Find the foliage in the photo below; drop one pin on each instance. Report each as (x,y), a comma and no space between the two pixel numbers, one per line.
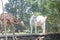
(24,8)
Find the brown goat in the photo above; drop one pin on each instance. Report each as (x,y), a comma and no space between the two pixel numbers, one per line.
(6,18)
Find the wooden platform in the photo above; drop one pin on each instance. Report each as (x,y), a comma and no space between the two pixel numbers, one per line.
(25,34)
(33,36)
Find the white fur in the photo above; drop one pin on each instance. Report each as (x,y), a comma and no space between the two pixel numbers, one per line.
(37,21)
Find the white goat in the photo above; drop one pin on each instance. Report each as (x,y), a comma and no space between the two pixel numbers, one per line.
(37,21)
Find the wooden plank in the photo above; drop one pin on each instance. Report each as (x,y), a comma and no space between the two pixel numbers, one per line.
(32,36)
(28,34)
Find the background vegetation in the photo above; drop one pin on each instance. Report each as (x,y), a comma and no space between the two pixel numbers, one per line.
(23,9)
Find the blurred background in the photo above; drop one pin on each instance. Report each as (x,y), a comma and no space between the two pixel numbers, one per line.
(24,9)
